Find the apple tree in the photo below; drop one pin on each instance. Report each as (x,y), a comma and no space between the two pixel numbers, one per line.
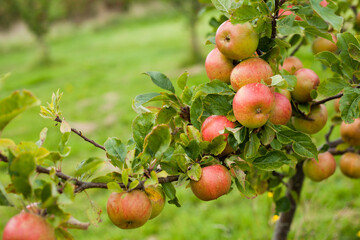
(249,127)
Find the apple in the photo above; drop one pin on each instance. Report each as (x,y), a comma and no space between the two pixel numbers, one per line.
(321,44)
(324,3)
(28,226)
(237,41)
(337,105)
(214,182)
(253,104)
(157,199)
(318,115)
(350,165)
(218,66)
(283,12)
(350,132)
(281,112)
(211,128)
(322,169)
(251,70)
(129,209)
(307,80)
(291,65)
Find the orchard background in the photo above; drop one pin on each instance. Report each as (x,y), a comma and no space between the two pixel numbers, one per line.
(97,63)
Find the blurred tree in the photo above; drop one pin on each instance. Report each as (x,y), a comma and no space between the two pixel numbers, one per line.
(8,14)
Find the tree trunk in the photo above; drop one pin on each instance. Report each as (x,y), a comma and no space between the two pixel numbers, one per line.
(294,185)
(44,50)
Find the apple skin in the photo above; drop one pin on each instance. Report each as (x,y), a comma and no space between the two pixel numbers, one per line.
(284,92)
(129,210)
(322,169)
(282,111)
(324,3)
(321,44)
(237,41)
(319,115)
(218,66)
(212,126)
(291,65)
(337,105)
(28,226)
(215,181)
(350,165)
(252,105)
(307,80)
(157,198)
(251,70)
(350,133)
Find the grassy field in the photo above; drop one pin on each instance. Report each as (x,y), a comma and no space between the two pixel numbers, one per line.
(99,71)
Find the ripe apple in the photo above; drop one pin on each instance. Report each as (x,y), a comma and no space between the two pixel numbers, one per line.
(350,132)
(237,41)
(218,66)
(319,116)
(211,128)
(291,65)
(307,80)
(281,112)
(28,226)
(322,169)
(251,70)
(252,105)
(157,198)
(350,165)
(321,44)
(215,181)
(129,209)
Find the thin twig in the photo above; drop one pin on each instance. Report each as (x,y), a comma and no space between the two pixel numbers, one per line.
(79,133)
(328,99)
(297,48)
(327,136)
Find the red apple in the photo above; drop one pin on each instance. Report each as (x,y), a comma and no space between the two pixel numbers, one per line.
(251,70)
(218,66)
(321,44)
(350,132)
(291,65)
(281,113)
(215,181)
(350,165)
(212,126)
(28,226)
(307,80)
(157,198)
(322,169)
(318,116)
(237,41)
(129,209)
(252,105)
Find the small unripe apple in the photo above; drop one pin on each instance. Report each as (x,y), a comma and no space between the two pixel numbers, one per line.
(350,165)
(218,66)
(291,65)
(282,111)
(157,198)
(321,44)
(236,41)
(28,226)
(318,115)
(322,169)
(350,132)
(211,128)
(129,209)
(215,181)
(307,80)
(251,70)
(252,105)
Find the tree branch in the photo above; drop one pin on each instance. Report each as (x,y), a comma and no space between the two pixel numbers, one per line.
(328,99)
(327,136)
(297,48)
(79,133)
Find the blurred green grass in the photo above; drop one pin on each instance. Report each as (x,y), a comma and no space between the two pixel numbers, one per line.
(99,71)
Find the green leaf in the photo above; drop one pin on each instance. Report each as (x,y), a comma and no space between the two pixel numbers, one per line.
(248,191)
(142,99)
(67,196)
(328,14)
(116,151)
(244,13)
(267,135)
(213,87)
(330,60)
(114,187)
(195,172)
(344,40)
(271,161)
(251,147)
(125,177)
(282,205)
(349,104)
(354,52)
(182,80)
(15,104)
(161,80)
(287,27)
(291,80)
(169,190)
(331,86)
(142,126)
(217,145)
(193,149)
(157,142)
(4,201)
(223,6)
(43,135)
(134,184)
(89,166)
(165,115)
